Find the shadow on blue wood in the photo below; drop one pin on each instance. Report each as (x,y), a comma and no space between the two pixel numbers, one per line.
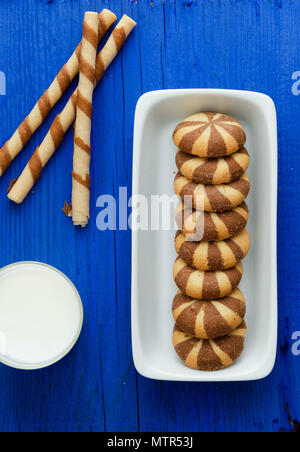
(237,44)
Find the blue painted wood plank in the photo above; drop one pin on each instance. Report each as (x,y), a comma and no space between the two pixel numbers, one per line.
(242,44)
(228,44)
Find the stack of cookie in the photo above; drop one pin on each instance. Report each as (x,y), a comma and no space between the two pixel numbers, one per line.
(209,309)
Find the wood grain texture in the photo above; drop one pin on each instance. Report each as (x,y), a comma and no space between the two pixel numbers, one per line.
(238,44)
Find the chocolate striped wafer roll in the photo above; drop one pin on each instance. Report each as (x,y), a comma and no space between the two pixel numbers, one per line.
(83,123)
(209,134)
(44,105)
(209,319)
(213,256)
(206,285)
(20,187)
(207,354)
(211,171)
(211,226)
(213,198)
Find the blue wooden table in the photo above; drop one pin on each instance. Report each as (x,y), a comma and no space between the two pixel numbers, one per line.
(239,44)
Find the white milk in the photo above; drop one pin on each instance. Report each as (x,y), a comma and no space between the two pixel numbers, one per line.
(40,315)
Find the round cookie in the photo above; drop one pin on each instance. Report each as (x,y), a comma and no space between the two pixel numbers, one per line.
(209,134)
(213,256)
(209,319)
(211,226)
(206,285)
(213,171)
(207,354)
(212,198)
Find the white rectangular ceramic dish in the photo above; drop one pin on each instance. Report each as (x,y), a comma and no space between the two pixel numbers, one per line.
(153,254)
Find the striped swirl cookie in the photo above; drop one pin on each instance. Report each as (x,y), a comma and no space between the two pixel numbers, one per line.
(206,285)
(213,256)
(209,135)
(207,354)
(214,170)
(209,319)
(211,226)
(212,198)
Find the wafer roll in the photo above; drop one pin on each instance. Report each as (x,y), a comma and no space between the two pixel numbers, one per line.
(83,123)
(44,105)
(20,188)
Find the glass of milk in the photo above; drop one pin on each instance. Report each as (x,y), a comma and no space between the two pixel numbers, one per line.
(41,315)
